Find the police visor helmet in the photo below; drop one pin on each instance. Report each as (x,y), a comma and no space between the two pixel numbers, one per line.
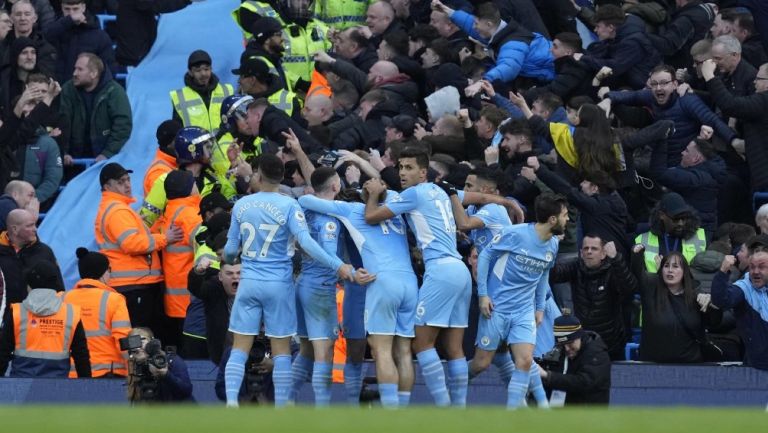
(193,144)
(298,9)
(232,108)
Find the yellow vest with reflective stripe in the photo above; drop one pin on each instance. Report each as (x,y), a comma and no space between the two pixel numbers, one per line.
(691,246)
(263,9)
(341,14)
(192,110)
(298,62)
(283,100)
(203,250)
(155,201)
(219,159)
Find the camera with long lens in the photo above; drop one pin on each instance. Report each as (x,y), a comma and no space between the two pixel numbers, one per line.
(145,382)
(256,382)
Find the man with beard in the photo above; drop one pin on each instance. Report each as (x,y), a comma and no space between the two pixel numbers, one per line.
(97,111)
(198,103)
(13,76)
(525,253)
(748,299)
(688,112)
(257,80)
(674,222)
(24,19)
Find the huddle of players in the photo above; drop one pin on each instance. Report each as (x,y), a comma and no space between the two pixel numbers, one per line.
(398,317)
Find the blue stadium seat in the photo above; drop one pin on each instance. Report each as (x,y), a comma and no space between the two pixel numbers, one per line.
(759,199)
(630,351)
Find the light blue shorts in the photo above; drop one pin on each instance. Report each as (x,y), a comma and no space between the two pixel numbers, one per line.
(273,302)
(514,328)
(445,294)
(353,311)
(390,304)
(316,314)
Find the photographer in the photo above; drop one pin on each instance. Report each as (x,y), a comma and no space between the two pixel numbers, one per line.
(257,384)
(587,377)
(154,375)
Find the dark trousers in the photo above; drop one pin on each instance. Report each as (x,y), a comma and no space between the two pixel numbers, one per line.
(145,303)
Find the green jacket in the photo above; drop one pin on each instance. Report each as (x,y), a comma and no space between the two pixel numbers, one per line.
(109,125)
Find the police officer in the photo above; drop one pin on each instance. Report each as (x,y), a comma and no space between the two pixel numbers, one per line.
(341,14)
(258,81)
(198,103)
(303,35)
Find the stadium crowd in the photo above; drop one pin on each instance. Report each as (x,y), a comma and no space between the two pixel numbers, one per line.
(620,179)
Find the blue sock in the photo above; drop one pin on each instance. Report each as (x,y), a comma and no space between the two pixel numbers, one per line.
(505,366)
(458,381)
(517,389)
(233,375)
(388,395)
(282,378)
(321,383)
(353,381)
(434,376)
(536,387)
(301,370)
(403,398)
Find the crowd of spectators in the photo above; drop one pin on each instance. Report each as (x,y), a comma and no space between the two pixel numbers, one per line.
(653,124)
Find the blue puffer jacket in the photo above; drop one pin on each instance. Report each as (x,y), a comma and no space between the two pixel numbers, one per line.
(688,113)
(517,51)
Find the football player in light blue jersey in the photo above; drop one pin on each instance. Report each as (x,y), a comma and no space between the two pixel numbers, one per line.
(447,288)
(317,319)
(265,226)
(524,254)
(390,301)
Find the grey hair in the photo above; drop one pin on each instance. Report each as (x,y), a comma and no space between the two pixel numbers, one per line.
(762,212)
(729,42)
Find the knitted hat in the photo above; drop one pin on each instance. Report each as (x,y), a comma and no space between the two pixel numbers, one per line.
(44,275)
(567,328)
(166,132)
(91,264)
(178,184)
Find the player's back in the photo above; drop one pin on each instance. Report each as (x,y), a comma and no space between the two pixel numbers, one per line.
(263,224)
(325,231)
(430,216)
(525,260)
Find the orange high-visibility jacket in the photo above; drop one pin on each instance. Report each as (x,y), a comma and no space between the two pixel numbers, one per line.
(43,342)
(318,86)
(340,346)
(179,257)
(163,163)
(127,242)
(105,321)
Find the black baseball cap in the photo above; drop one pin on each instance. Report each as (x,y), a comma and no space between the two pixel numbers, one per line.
(251,66)
(402,122)
(197,57)
(264,28)
(112,171)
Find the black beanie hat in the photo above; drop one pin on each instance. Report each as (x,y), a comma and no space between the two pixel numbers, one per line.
(91,264)
(166,132)
(44,275)
(178,184)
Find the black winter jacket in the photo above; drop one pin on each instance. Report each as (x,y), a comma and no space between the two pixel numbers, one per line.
(210,290)
(588,378)
(15,264)
(631,55)
(70,40)
(752,110)
(687,25)
(137,27)
(572,78)
(598,295)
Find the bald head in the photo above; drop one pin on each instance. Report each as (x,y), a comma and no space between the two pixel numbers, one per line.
(384,69)
(317,109)
(379,16)
(21,227)
(21,191)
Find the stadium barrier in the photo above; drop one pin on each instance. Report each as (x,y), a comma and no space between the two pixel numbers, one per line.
(633,384)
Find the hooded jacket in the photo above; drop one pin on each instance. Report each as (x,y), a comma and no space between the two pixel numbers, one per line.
(104,127)
(10,85)
(517,50)
(71,39)
(630,54)
(43,303)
